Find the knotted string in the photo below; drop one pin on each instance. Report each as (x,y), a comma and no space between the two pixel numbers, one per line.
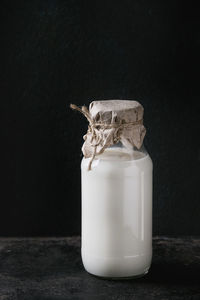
(96,125)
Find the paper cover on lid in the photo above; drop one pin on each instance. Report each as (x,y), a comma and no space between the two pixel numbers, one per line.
(110,122)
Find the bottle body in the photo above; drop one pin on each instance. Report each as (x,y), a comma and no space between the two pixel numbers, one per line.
(117,213)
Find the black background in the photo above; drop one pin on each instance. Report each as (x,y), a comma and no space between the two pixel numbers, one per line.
(58,52)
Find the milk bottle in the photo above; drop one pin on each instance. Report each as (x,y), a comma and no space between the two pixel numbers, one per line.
(116,180)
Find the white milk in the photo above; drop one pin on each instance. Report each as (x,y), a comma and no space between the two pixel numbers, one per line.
(117,213)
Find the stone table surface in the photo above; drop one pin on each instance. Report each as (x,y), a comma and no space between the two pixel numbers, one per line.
(51,269)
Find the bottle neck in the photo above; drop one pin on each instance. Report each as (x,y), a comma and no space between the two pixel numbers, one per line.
(122,152)
(121,146)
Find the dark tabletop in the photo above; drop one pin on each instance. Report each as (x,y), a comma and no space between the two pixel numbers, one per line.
(51,269)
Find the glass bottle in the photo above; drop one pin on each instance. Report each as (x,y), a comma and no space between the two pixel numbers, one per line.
(117,213)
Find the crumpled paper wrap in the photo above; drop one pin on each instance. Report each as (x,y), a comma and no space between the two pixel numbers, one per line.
(110,122)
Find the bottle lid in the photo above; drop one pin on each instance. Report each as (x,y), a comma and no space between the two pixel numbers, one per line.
(110,122)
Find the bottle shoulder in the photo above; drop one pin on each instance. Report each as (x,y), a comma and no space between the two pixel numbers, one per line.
(120,157)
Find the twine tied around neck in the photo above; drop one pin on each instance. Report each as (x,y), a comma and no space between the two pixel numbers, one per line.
(102,135)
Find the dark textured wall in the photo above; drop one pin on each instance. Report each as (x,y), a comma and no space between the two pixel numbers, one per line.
(56,52)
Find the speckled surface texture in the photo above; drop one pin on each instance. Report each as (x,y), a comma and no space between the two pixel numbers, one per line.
(51,268)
